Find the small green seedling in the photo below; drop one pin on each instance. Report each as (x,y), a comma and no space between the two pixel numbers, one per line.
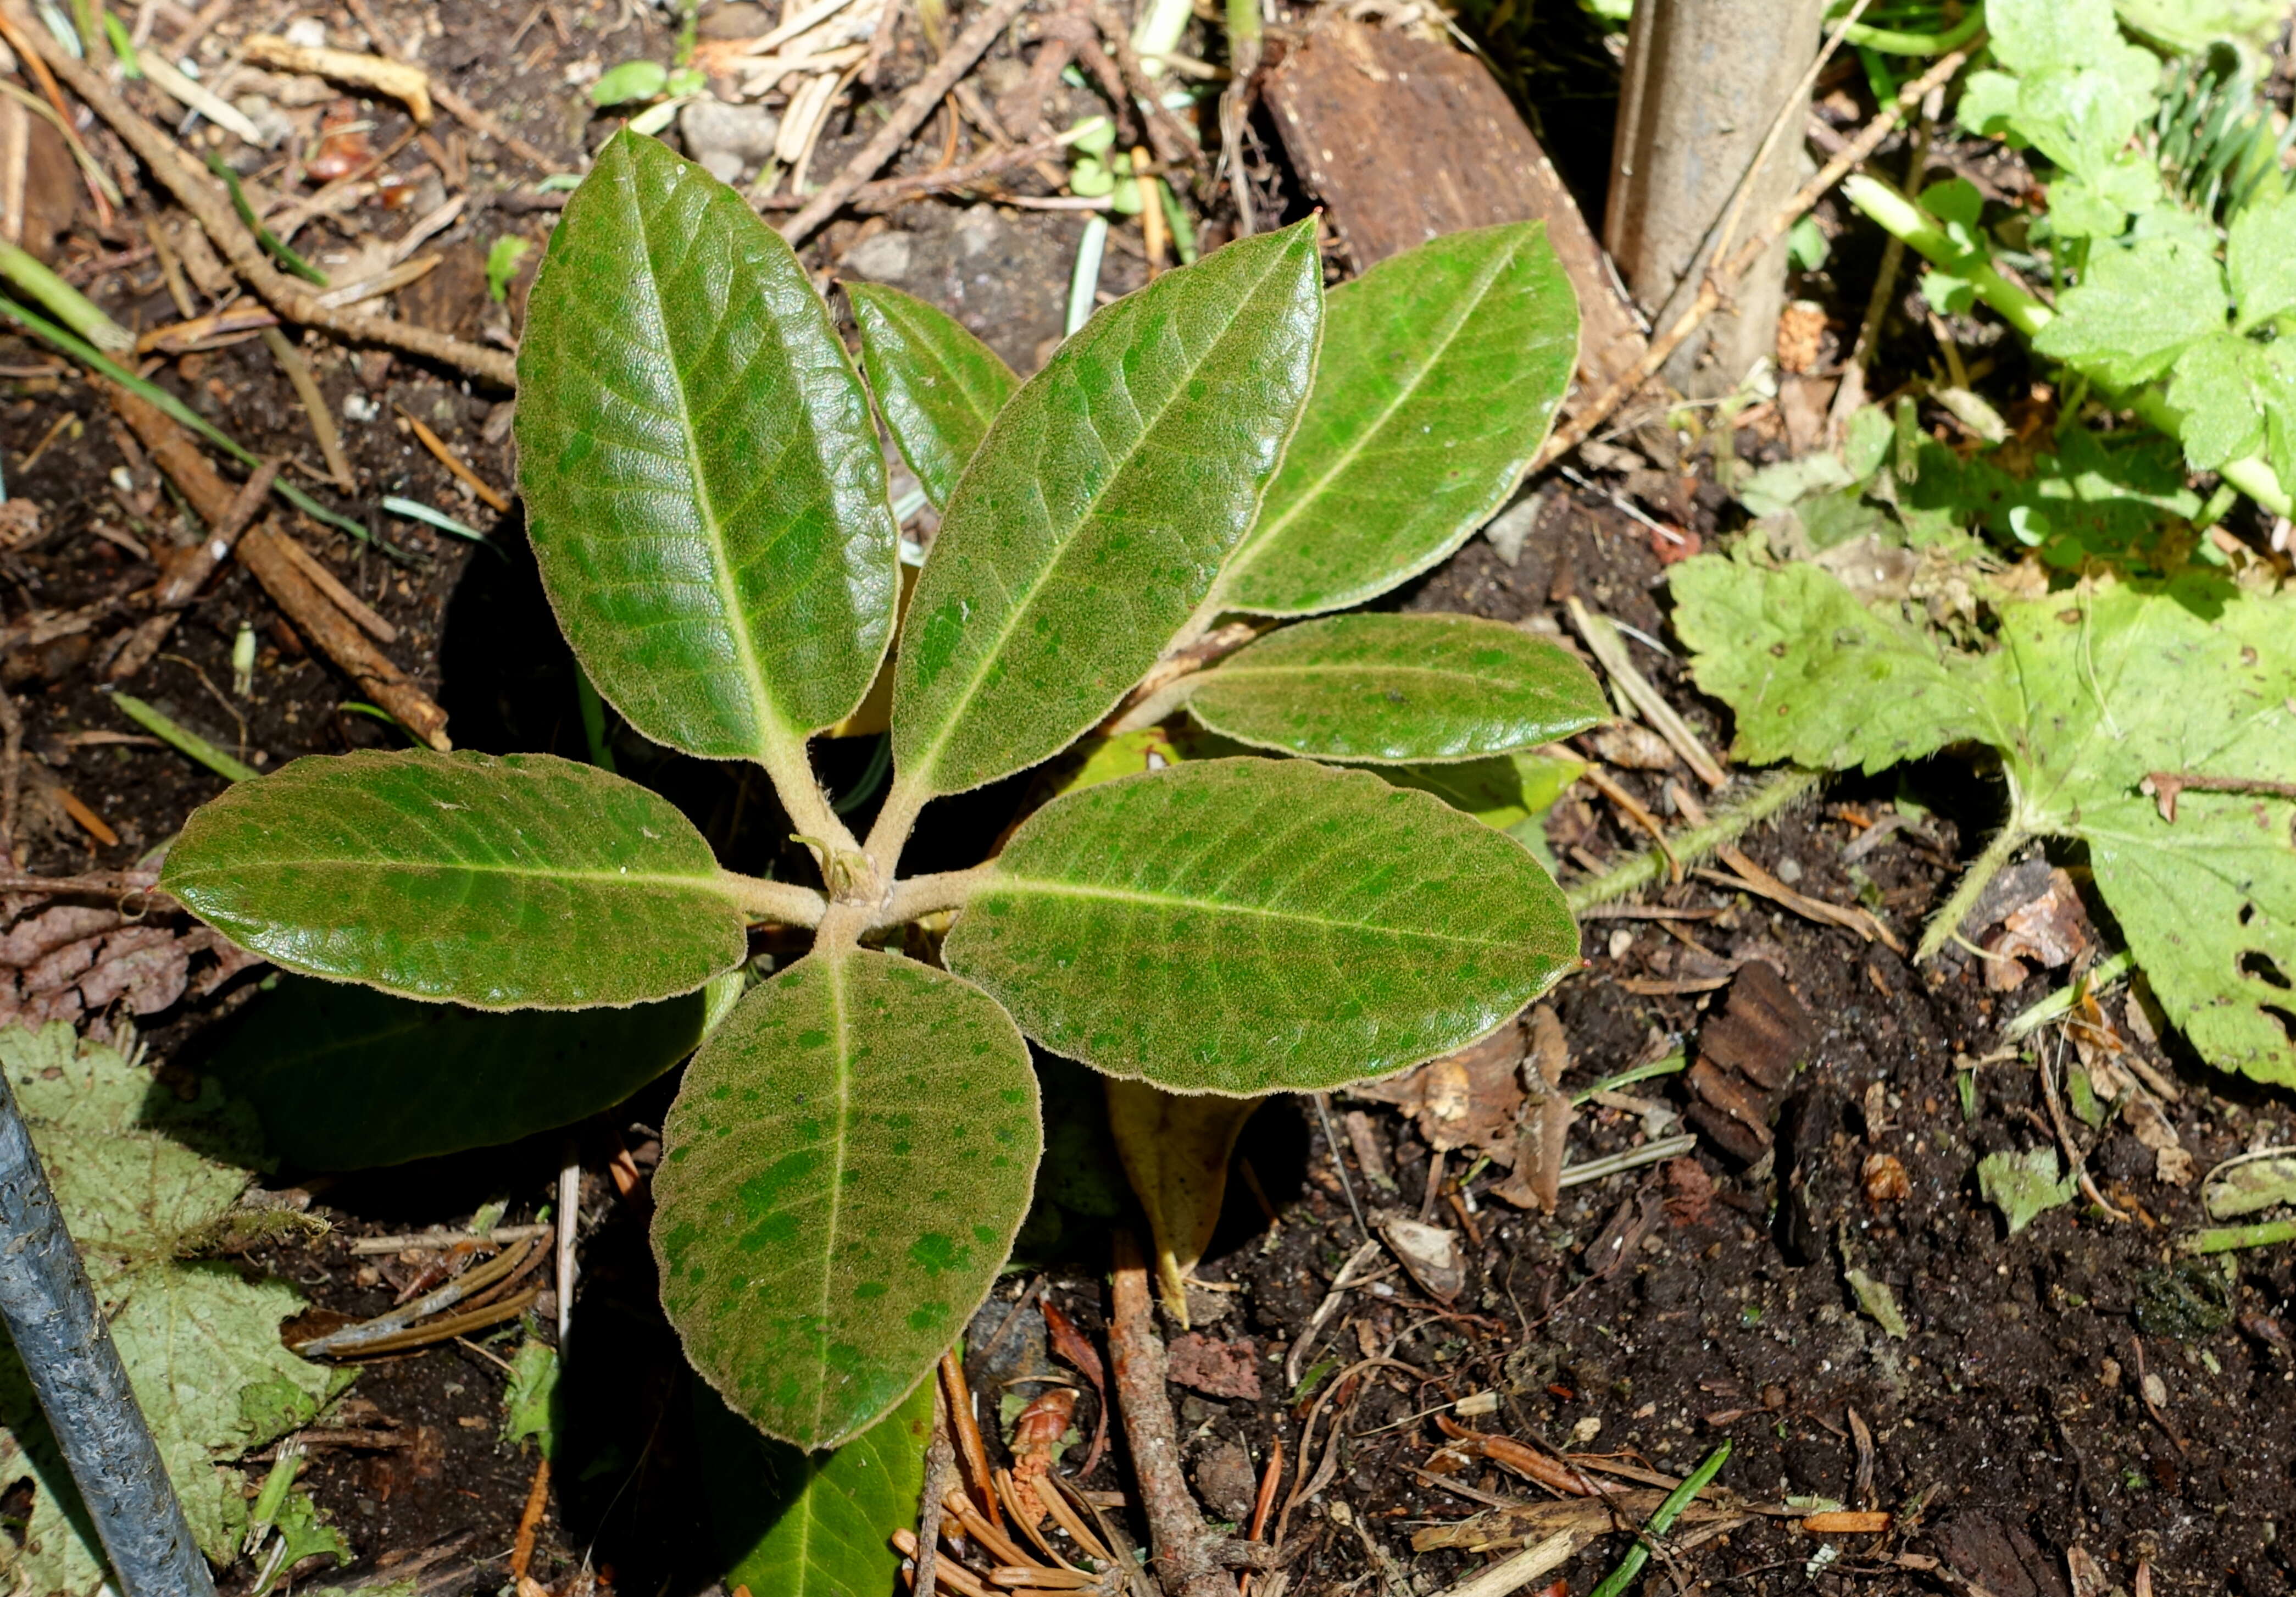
(853,1148)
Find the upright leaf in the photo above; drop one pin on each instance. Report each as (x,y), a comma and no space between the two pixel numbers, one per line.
(346,1077)
(704,485)
(1441,372)
(937,387)
(1251,926)
(1398,690)
(846,1163)
(801,1524)
(523,882)
(1099,509)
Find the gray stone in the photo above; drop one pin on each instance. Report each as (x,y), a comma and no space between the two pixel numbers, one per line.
(723,140)
(885,259)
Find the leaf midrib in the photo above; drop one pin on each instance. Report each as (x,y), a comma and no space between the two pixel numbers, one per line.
(1007,882)
(840,1045)
(1445,674)
(768,710)
(648,878)
(1262,537)
(1017,606)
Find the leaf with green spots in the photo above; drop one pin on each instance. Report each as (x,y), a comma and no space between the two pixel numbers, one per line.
(524,880)
(1398,690)
(844,1169)
(2153,722)
(937,387)
(1441,372)
(704,483)
(1098,510)
(1250,926)
(801,1524)
(2023,1186)
(346,1077)
(143,1178)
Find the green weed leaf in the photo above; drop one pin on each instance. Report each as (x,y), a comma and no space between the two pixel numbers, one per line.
(1398,690)
(143,1179)
(1441,372)
(2023,1186)
(703,479)
(2260,258)
(1092,522)
(846,1163)
(2137,309)
(1248,926)
(2088,699)
(526,881)
(937,387)
(815,1524)
(346,1077)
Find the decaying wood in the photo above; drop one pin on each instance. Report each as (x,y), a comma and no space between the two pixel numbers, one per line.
(1404,140)
(1182,1544)
(262,550)
(204,198)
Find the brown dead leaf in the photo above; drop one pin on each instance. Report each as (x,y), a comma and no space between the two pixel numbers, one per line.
(1429,1251)
(1465,1100)
(1215,1368)
(1689,1191)
(1036,1433)
(2050,931)
(1541,1144)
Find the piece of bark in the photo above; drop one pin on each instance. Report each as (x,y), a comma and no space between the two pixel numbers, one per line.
(1405,140)
(1764,1033)
(261,551)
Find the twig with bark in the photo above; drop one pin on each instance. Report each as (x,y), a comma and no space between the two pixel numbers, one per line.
(1184,1546)
(909,113)
(200,194)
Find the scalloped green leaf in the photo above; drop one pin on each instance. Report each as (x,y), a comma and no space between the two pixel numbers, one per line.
(519,882)
(1398,691)
(1440,373)
(846,1166)
(801,1524)
(703,483)
(1097,512)
(937,387)
(346,1078)
(1251,926)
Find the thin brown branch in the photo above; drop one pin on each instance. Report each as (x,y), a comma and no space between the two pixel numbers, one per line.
(886,192)
(1172,144)
(1177,1531)
(909,113)
(211,208)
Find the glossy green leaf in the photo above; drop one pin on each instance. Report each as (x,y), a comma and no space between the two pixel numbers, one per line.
(1398,691)
(519,882)
(346,1077)
(1098,510)
(1247,926)
(801,1524)
(937,387)
(846,1163)
(1441,372)
(703,483)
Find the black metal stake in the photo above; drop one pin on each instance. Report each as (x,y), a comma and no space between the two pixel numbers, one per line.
(66,1346)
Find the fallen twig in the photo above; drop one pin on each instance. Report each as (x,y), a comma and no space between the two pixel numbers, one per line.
(198,193)
(529,1521)
(259,550)
(188,572)
(1597,409)
(314,406)
(1602,636)
(908,115)
(1172,144)
(1176,1526)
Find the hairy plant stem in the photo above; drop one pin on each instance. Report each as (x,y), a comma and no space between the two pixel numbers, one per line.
(1982,869)
(786,902)
(920,896)
(894,824)
(1904,219)
(1727,825)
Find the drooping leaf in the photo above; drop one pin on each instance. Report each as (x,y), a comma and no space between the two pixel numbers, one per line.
(937,387)
(814,1524)
(1175,1146)
(1092,520)
(846,1163)
(1441,372)
(524,880)
(142,1178)
(1248,926)
(2182,687)
(702,479)
(1398,690)
(346,1077)
(2137,309)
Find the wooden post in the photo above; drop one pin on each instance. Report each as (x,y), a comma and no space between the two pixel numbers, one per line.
(1703,81)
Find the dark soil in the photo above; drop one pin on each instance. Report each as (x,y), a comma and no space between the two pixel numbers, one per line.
(2009,1424)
